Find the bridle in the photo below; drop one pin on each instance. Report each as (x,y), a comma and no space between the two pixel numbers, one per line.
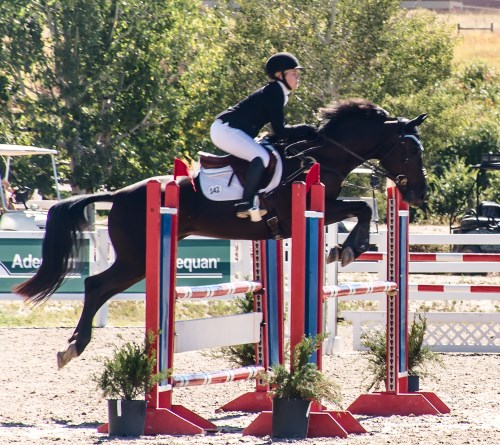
(307,160)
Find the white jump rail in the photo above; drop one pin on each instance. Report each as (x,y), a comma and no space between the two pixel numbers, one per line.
(426,262)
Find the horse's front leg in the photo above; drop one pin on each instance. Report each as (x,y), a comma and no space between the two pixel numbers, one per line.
(358,240)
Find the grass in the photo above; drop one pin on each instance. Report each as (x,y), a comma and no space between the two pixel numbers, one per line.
(477,45)
(120,313)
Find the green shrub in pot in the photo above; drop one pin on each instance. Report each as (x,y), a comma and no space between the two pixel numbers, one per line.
(295,388)
(419,355)
(128,376)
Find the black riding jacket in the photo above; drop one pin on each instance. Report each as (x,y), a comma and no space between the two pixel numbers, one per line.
(266,105)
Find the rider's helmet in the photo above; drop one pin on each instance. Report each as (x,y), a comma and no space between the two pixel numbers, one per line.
(281,62)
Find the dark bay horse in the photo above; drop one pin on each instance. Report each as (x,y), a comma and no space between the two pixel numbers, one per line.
(350,133)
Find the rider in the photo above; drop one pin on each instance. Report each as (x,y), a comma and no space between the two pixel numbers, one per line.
(234,129)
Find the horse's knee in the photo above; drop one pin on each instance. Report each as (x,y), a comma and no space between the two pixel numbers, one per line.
(364,212)
(356,243)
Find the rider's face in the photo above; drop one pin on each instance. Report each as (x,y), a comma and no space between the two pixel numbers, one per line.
(292,78)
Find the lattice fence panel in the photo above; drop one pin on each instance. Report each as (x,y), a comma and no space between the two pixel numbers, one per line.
(446,332)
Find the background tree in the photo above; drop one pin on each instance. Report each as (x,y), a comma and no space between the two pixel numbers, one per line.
(464,112)
(452,191)
(106,83)
(121,88)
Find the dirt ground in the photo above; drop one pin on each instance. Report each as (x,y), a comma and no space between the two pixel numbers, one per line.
(41,405)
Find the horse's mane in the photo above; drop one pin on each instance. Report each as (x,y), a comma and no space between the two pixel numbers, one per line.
(349,110)
(335,114)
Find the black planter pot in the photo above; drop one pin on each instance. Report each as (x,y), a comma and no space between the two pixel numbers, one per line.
(290,418)
(413,383)
(126,417)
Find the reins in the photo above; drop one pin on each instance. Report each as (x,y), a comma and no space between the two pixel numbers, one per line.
(400,179)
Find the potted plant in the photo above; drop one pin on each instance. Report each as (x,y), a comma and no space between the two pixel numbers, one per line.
(294,389)
(419,356)
(126,379)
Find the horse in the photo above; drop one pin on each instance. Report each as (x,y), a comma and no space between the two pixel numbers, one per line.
(351,133)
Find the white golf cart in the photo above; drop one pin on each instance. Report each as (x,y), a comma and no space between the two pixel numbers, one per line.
(17,211)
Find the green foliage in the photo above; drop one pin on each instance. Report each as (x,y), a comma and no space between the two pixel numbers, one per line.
(419,356)
(375,341)
(368,48)
(417,52)
(304,380)
(104,84)
(129,373)
(452,190)
(463,124)
(120,95)
(464,111)
(491,189)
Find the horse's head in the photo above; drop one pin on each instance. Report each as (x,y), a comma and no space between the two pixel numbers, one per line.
(401,157)
(359,131)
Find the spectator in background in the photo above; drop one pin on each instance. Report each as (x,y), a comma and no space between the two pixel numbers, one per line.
(9,194)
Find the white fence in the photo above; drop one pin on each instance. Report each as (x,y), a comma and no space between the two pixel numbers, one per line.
(447,331)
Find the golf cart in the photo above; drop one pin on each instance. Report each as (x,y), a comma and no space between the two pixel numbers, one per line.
(485,218)
(17,210)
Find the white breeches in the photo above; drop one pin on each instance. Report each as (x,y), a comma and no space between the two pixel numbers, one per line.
(237,142)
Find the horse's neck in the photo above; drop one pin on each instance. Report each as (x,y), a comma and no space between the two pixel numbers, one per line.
(337,160)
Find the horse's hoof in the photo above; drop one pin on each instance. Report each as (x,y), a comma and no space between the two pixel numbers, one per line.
(333,255)
(347,256)
(64,357)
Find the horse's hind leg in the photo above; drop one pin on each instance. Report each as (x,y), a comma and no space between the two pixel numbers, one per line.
(98,289)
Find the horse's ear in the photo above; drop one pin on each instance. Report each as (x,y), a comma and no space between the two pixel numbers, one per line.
(417,121)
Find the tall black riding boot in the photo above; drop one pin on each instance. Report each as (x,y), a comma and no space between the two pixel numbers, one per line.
(253,179)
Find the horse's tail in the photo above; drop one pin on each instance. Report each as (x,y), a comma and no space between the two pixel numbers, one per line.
(63,238)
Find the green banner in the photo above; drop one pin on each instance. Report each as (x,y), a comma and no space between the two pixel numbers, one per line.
(199,262)
(21,257)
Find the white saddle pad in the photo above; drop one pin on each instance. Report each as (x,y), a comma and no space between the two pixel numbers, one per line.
(221,184)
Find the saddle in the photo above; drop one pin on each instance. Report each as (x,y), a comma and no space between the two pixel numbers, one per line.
(209,161)
(218,173)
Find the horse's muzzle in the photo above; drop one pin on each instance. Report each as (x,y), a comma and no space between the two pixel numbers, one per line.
(415,196)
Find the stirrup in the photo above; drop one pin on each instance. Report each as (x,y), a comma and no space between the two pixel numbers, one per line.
(245,209)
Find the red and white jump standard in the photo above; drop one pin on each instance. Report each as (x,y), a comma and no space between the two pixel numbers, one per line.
(306,311)
(396,400)
(162,416)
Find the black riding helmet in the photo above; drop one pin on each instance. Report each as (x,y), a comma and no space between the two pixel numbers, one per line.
(280,62)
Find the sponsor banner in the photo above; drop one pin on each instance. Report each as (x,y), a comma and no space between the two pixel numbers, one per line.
(199,262)
(21,257)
